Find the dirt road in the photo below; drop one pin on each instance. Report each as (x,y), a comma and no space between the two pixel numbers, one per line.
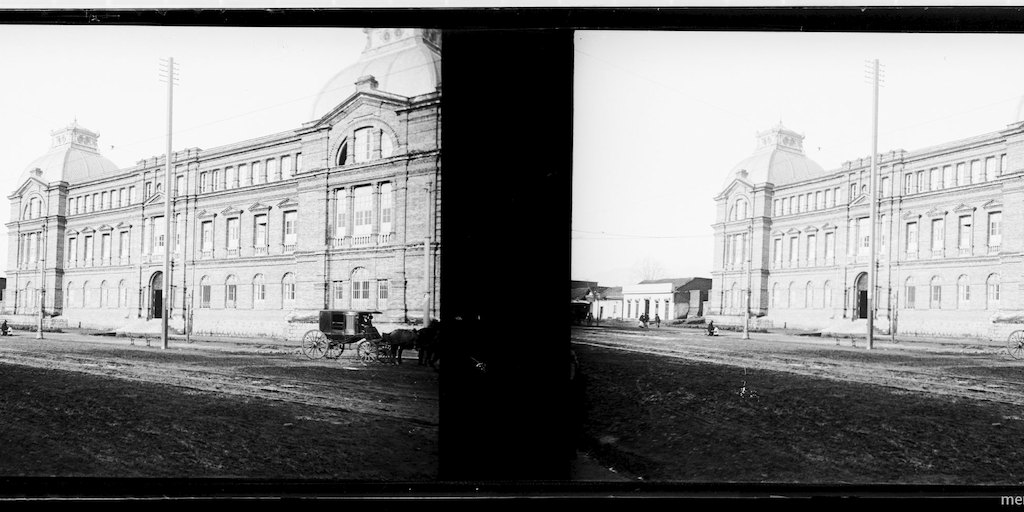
(978,371)
(270,371)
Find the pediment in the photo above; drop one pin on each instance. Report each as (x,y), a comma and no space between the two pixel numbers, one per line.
(287,203)
(810,229)
(829,227)
(30,182)
(123,225)
(793,231)
(258,207)
(963,208)
(87,231)
(371,97)
(105,227)
(71,232)
(736,183)
(911,216)
(155,198)
(936,212)
(861,199)
(995,203)
(205,214)
(778,233)
(231,210)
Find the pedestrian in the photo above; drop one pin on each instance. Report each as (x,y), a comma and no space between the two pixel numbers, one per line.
(4,329)
(590,318)
(657,320)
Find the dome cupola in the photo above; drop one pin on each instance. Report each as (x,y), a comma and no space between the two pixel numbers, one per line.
(73,156)
(779,159)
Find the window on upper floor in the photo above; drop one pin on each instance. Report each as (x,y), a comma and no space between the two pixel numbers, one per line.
(290,235)
(995,229)
(363,149)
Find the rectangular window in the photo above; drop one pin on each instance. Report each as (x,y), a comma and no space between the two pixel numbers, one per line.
(864,235)
(206,236)
(289,228)
(260,292)
(948,178)
(159,235)
(341,212)
(179,185)
(233,233)
(105,247)
(830,248)
(260,236)
(339,291)
(363,211)
(88,249)
(911,295)
(204,291)
(298,162)
(362,145)
(271,169)
(72,250)
(123,253)
(812,250)
(794,251)
(244,177)
(995,229)
(286,166)
(232,176)
(257,174)
(231,294)
(886,187)
(964,241)
(382,292)
(882,238)
(935,179)
(908,184)
(819,200)
(289,291)
(990,168)
(215,177)
(936,296)
(976,175)
(148,188)
(1002,164)
(911,238)
(962,178)
(131,194)
(922,181)
(777,245)
(204,182)
(938,235)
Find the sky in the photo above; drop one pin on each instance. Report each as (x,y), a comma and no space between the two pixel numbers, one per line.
(661,118)
(235,83)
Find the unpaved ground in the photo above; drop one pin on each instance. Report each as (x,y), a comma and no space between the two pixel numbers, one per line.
(975,371)
(274,372)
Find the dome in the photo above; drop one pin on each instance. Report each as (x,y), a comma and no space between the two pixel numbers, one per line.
(403,61)
(73,157)
(779,160)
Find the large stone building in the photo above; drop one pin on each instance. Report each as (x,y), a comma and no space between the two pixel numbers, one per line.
(341,212)
(950,236)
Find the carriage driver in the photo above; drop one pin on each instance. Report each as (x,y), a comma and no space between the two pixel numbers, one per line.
(368,329)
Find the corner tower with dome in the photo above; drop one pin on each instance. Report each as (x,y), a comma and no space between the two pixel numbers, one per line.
(339,213)
(950,247)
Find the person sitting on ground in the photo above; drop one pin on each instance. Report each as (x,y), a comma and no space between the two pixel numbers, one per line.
(5,329)
(712,330)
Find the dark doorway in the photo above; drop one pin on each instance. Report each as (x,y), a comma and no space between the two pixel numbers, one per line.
(647,306)
(862,296)
(156,299)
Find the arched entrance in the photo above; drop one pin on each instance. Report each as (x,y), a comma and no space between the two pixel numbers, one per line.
(156,295)
(862,295)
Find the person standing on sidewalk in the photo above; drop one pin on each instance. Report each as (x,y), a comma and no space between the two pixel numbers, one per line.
(657,320)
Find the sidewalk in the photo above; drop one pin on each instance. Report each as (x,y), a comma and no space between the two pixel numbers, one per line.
(175,341)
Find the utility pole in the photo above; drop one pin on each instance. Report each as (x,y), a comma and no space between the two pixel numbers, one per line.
(750,264)
(167,69)
(41,247)
(426,256)
(873,197)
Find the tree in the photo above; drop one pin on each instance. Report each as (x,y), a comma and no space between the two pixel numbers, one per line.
(648,269)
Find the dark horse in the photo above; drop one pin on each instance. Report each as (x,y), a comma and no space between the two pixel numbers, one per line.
(428,343)
(398,340)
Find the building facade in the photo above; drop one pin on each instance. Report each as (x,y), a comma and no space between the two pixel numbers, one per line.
(341,212)
(669,298)
(949,229)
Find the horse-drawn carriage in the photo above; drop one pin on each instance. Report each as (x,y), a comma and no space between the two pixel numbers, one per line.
(339,328)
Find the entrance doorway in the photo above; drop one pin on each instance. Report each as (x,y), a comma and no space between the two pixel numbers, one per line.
(156,295)
(647,306)
(862,295)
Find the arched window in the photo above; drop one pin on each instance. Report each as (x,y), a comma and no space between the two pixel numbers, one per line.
(775,296)
(808,296)
(68,293)
(791,295)
(103,295)
(729,297)
(387,146)
(230,292)
(826,294)
(963,292)
(28,295)
(343,153)
(910,292)
(992,292)
(288,289)
(935,293)
(122,294)
(739,209)
(259,290)
(85,294)
(363,147)
(205,293)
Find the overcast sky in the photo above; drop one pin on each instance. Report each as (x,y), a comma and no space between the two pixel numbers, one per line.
(662,117)
(235,84)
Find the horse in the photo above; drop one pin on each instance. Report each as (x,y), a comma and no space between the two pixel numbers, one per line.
(428,343)
(398,340)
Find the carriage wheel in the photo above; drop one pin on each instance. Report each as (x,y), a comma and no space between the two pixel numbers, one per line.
(335,349)
(366,352)
(314,344)
(1015,344)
